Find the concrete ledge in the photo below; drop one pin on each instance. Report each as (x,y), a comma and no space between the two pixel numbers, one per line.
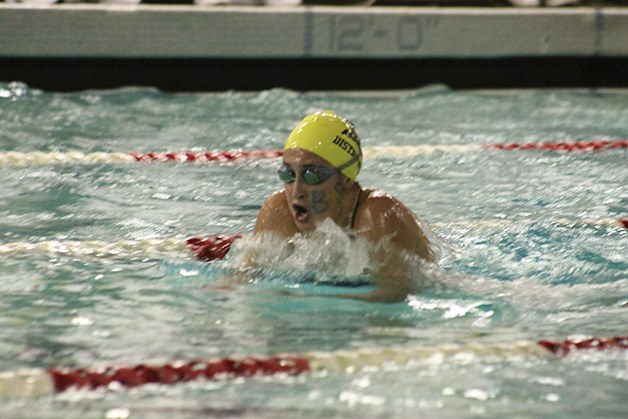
(150,31)
(196,48)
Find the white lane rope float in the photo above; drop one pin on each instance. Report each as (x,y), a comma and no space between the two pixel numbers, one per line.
(216,247)
(37,158)
(127,248)
(41,382)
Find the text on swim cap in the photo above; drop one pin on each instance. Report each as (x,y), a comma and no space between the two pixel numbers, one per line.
(343,144)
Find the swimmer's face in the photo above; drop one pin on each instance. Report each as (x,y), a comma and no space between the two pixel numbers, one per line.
(311,204)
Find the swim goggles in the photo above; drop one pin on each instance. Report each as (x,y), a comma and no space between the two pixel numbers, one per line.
(312,175)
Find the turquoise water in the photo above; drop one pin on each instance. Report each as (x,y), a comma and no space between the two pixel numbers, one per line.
(526,278)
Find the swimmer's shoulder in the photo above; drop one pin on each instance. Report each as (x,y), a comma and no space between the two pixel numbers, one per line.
(375,201)
(382,215)
(372,204)
(275,217)
(275,200)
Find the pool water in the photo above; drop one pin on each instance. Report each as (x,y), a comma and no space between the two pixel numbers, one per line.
(508,269)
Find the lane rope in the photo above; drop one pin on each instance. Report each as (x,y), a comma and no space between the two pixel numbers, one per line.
(206,249)
(35,158)
(216,247)
(40,382)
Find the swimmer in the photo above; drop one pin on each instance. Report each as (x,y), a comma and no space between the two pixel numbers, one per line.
(321,161)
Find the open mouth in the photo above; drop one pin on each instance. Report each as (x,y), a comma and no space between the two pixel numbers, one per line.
(300,213)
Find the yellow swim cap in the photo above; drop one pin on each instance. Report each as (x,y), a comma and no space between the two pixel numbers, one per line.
(330,137)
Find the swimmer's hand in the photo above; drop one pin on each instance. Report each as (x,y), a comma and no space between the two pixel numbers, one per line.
(380,295)
(231,281)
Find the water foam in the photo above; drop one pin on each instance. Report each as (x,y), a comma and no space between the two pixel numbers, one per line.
(327,255)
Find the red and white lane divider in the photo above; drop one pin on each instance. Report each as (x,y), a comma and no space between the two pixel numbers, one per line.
(406,151)
(217,247)
(206,249)
(38,158)
(39,382)
(14,158)
(564,222)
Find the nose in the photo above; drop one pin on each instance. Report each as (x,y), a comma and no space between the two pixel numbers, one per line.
(298,187)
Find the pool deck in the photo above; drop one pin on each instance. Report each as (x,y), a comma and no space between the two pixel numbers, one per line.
(196,47)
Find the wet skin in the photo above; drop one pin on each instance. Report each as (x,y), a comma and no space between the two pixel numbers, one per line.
(380,218)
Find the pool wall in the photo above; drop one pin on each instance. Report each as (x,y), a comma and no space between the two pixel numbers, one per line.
(193,47)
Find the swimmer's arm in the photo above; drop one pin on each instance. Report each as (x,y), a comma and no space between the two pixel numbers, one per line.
(389,288)
(388,294)
(271,219)
(397,234)
(393,281)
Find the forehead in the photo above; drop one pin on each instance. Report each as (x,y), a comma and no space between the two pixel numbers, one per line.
(300,157)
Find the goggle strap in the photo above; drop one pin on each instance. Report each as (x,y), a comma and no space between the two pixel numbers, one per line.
(349,163)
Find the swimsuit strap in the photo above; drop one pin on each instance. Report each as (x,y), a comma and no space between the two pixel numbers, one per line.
(355,208)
